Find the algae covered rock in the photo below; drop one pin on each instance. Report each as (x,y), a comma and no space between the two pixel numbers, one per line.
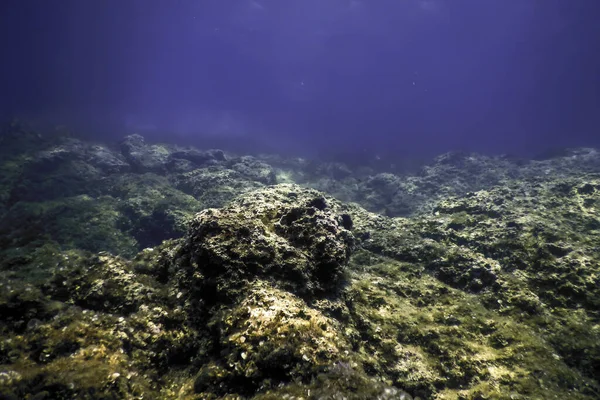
(214,186)
(164,158)
(256,329)
(82,195)
(200,158)
(78,222)
(102,283)
(96,329)
(268,338)
(254,169)
(58,170)
(285,234)
(106,160)
(143,157)
(489,290)
(151,209)
(537,246)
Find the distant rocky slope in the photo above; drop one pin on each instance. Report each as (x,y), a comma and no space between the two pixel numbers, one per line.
(155,271)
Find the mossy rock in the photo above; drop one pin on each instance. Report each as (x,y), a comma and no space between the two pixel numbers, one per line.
(285,234)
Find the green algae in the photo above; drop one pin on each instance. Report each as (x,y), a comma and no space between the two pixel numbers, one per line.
(453,340)
(285,292)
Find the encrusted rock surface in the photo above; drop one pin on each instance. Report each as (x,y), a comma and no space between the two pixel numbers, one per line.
(488,288)
(284,233)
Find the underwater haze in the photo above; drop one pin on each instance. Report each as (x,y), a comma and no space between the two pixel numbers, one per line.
(406,77)
(300,199)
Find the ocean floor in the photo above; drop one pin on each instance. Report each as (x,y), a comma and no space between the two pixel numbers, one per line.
(137,270)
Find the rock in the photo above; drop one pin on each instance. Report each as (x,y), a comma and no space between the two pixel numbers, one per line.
(486,288)
(285,234)
(200,158)
(214,186)
(269,337)
(151,209)
(103,283)
(254,170)
(106,160)
(143,157)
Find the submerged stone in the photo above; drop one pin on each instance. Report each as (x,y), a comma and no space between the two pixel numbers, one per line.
(490,290)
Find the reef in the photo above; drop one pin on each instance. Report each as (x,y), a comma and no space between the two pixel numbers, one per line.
(141,270)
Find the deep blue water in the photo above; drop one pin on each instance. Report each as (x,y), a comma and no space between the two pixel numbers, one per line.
(405,78)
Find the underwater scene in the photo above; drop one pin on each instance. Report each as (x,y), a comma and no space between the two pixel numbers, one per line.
(140,270)
(300,200)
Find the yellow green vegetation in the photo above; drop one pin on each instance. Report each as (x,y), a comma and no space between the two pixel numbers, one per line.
(426,336)
(286,293)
